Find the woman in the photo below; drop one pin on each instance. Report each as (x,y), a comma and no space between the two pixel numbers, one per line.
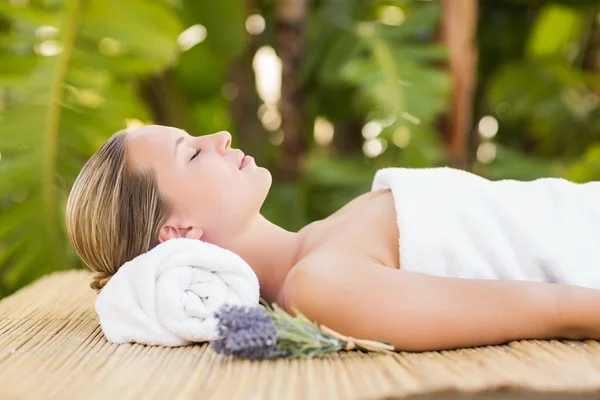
(156,183)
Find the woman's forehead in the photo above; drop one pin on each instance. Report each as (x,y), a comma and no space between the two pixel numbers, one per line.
(146,142)
(154,133)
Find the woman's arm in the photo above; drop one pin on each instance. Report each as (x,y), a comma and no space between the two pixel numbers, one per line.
(416,312)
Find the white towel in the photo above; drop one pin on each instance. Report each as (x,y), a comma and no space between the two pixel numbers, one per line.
(456,224)
(168,295)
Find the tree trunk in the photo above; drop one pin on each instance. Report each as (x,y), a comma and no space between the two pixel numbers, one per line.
(290,37)
(252,136)
(459,29)
(348,136)
(591,60)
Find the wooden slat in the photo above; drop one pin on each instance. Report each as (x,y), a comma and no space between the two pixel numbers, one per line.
(51,346)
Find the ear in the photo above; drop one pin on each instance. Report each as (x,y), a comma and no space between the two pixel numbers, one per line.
(172,232)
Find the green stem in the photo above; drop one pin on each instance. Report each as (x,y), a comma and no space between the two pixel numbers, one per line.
(53,114)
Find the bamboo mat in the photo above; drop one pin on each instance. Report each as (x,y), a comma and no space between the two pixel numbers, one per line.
(51,346)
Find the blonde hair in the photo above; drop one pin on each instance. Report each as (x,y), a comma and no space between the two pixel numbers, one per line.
(114,213)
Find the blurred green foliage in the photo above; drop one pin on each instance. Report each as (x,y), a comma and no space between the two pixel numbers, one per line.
(540,78)
(72,72)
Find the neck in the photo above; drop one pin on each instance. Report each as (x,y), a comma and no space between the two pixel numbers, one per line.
(270,250)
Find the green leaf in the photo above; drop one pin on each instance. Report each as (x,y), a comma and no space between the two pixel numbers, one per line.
(30,14)
(58,110)
(146,30)
(420,17)
(383,55)
(587,168)
(224,21)
(555,27)
(341,48)
(14,71)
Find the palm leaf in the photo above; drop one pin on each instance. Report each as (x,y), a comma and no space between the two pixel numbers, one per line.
(359,66)
(60,109)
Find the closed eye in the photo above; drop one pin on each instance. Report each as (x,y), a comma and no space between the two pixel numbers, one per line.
(196,154)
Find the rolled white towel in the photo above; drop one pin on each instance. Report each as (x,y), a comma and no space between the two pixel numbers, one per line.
(168,295)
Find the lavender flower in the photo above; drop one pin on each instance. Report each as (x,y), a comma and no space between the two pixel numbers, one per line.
(258,333)
(246,332)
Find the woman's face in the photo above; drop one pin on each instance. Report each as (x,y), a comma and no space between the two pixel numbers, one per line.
(209,185)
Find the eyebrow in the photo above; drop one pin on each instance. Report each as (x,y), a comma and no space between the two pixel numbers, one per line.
(178,142)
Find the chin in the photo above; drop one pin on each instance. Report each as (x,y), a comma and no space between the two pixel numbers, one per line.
(265,176)
(263,183)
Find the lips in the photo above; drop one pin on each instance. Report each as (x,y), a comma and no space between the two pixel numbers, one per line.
(241,158)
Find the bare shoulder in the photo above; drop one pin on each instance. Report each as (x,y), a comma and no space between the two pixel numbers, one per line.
(320,277)
(314,270)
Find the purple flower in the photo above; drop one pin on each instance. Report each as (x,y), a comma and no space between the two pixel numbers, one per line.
(246,332)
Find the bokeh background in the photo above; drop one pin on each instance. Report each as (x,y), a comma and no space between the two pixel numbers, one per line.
(321,92)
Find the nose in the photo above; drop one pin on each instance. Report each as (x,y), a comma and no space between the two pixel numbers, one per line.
(224,139)
(221,141)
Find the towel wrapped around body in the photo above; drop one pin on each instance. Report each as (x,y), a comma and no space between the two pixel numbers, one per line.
(167,296)
(456,224)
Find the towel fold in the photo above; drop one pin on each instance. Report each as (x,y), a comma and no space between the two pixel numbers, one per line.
(456,224)
(168,295)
